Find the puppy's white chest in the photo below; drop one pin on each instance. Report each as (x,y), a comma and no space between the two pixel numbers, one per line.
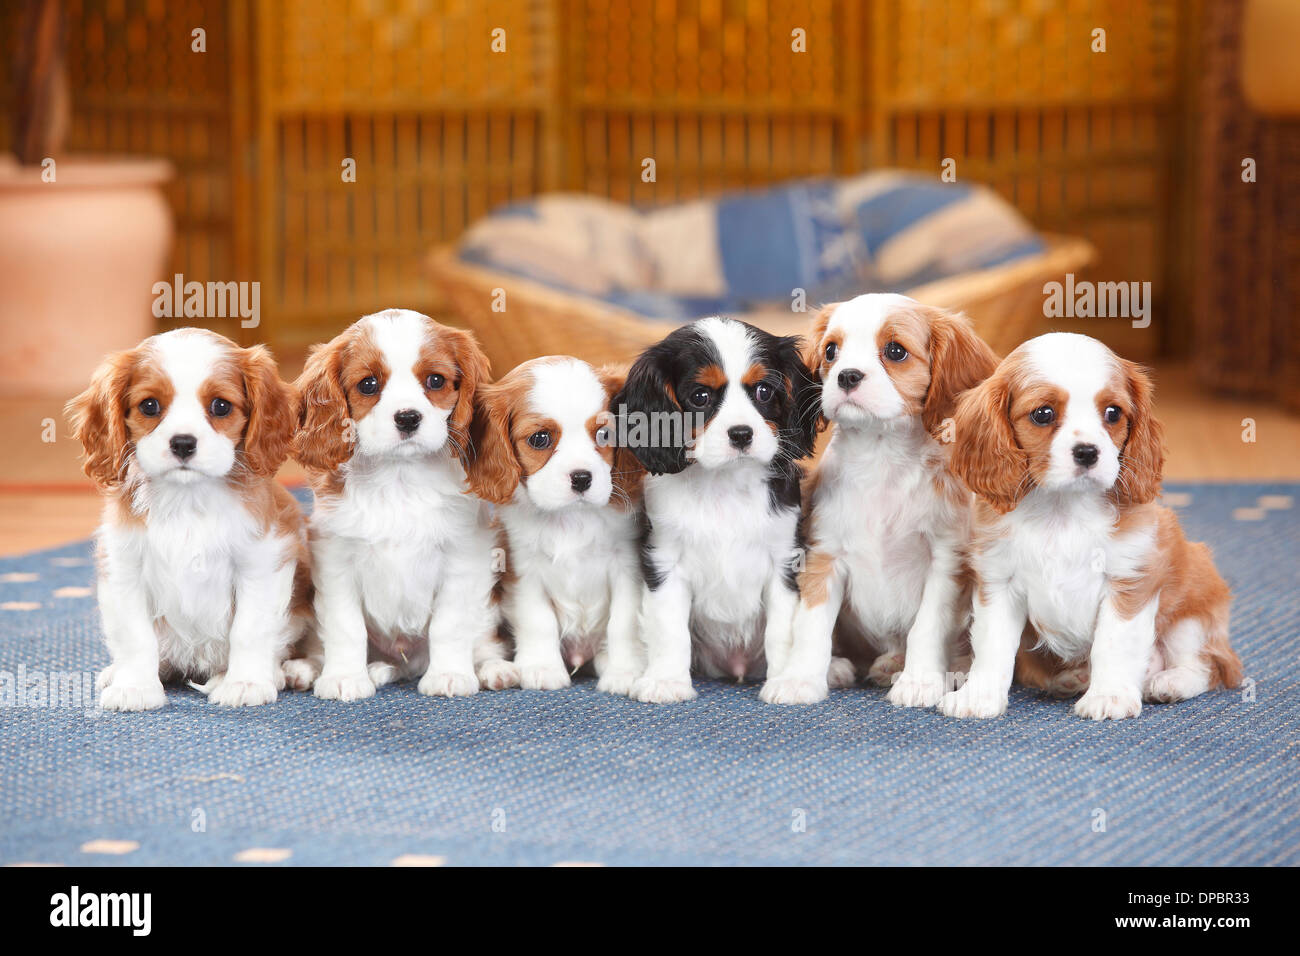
(396,531)
(1062,560)
(574,555)
(874,515)
(726,539)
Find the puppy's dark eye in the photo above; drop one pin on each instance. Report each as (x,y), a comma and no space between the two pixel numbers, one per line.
(1042,416)
(150,407)
(603,436)
(540,440)
(701,397)
(219,408)
(368,385)
(894,352)
(832,350)
(435,382)
(763,393)
(1112,414)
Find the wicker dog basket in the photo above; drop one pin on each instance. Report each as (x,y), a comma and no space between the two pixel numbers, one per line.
(1005,303)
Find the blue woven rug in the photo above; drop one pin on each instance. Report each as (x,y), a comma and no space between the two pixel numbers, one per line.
(524,777)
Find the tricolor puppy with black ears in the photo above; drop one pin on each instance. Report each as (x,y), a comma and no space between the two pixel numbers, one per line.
(887,523)
(569,505)
(718,413)
(203,562)
(405,559)
(1072,554)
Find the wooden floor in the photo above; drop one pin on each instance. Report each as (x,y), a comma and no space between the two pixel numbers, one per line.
(46,501)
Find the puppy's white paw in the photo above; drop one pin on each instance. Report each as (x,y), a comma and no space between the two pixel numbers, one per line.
(497,675)
(970,700)
(241,693)
(1174,684)
(344,687)
(884,667)
(105,677)
(792,690)
(916,690)
(121,694)
(617,682)
(298,674)
(542,677)
(655,690)
(1095,705)
(381,673)
(841,673)
(448,684)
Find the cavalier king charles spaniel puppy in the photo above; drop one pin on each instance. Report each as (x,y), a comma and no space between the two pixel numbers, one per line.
(718,414)
(203,564)
(405,561)
(568,501)
(887,523)
(1072,554)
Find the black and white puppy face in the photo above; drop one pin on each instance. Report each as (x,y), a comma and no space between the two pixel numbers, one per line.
(715,392)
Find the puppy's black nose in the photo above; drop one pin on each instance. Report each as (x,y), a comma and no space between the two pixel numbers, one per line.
(407,420)
(849,379)
(183,446)
(741,436)
(580,480)
(1085,455)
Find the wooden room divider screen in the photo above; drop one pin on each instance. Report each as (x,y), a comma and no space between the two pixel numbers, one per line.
(448,108)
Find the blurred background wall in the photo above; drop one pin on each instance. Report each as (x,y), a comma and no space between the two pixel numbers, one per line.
(443,128)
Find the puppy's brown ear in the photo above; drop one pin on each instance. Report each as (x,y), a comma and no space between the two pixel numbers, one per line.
(474,372)
(324,437)
(985,454)
(959,360)
(98,419)
(626,471)
(1142,459)
(493,469)
(272,413)
(808,394)
(813,352)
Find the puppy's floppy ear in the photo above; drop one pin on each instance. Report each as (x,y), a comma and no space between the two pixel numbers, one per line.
(324,439)
(493,469)
(272,413)
(648,414)
(985,454)
(1142,458)
(959,359)
(812,346)
(803,418)
(98,419)
(627,472)
(814,360)
(474,371)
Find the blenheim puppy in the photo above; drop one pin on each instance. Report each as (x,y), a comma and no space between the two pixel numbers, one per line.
(718,413)
(203,564)
(887,524)
(1071,551)
(569,501)
(405,560)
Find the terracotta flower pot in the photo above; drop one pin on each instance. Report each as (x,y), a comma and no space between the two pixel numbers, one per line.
(78,259)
